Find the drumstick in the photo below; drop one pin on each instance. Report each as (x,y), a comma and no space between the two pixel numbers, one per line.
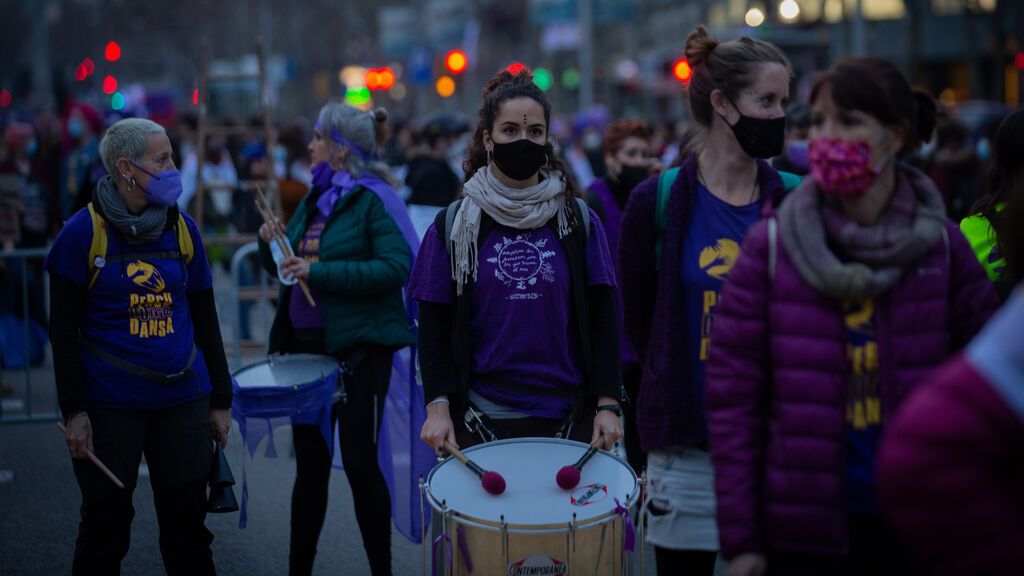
(282,243)
(492,482)
(96,461)
(568,477)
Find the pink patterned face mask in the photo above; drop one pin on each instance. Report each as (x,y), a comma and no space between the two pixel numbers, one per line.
(842,168)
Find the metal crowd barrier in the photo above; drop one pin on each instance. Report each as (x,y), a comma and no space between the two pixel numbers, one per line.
(15,409)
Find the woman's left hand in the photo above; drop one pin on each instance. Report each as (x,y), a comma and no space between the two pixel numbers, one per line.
(295,267)
(607,424)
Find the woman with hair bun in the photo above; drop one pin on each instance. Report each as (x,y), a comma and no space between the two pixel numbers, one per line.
(841,302)
(351,239)
(680,236)
(517,333)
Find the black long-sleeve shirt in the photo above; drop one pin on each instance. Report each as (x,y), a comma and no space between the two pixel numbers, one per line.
(67,309)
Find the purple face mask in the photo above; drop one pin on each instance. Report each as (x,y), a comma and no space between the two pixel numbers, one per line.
(164,187)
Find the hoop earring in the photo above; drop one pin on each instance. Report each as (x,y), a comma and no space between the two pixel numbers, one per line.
(547,161)
(489,157)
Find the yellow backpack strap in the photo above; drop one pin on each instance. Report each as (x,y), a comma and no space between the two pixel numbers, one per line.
(98,247)
(185,240)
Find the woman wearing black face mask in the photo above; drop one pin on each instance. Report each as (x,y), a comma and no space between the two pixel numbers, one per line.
(680,236)
(629,161)
(517,325)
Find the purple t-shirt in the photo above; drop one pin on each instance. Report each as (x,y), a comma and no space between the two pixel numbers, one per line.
(521,326)
(304,316)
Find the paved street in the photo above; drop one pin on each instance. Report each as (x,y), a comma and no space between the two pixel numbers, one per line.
(39,510)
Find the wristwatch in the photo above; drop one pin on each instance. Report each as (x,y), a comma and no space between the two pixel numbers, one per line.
(613,408)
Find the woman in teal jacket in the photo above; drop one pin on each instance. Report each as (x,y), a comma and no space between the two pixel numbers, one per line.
(352,255)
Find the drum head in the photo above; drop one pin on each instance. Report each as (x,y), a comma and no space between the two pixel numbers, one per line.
(529,466)
(284,371)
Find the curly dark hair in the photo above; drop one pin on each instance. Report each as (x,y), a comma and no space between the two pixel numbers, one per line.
(505,86)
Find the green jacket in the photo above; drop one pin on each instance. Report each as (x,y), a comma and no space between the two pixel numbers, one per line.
(364,264)
(982,238)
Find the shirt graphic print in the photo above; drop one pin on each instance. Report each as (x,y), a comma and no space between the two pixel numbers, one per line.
(520,262)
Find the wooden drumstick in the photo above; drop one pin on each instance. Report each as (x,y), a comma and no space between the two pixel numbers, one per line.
(96,461)
(282,242)
(568,477)
(492,482)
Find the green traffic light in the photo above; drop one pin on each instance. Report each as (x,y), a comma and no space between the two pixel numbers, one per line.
(542,78)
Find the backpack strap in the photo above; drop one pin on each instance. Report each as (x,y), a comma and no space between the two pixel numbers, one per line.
(585,212)
(665,182)
(449,222)
(98,246)
(185,245)
(98,257)
(790,181)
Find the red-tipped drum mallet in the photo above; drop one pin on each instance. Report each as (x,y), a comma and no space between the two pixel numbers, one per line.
(568,477)
(492,482)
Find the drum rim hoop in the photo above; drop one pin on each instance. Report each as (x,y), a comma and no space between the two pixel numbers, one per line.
(519,528)
(271,358)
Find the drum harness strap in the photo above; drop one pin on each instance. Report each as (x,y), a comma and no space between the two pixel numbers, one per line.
(137,370)
(489,429)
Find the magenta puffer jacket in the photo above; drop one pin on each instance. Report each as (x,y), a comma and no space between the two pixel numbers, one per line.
(777,382)
(951,466)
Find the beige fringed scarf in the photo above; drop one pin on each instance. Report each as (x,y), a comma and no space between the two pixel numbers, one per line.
(519,208)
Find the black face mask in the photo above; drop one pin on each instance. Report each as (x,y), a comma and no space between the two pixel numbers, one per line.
(519,159)
(630,176)
(760,137)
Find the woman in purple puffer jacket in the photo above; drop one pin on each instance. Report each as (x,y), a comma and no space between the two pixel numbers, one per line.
(839,304)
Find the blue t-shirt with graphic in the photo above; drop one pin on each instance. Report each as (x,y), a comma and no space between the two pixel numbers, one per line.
(137,310)
(710,249)
(864,409)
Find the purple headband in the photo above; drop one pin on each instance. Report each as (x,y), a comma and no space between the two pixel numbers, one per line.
(340,139)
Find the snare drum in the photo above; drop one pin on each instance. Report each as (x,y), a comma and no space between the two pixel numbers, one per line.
(534,527)
(283,390)
(286,371)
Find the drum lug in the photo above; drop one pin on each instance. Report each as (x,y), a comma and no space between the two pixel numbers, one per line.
(504,543)
(572,534)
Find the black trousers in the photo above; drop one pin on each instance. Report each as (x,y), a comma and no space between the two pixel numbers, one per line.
(874,551)
(359,421)
(178,445)
(684,562)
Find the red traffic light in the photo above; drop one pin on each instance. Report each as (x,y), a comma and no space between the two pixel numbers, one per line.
(84,70)
(455,62)
(516,67)
(1018,61)
(385,78)
(372,79)
(109,84)
(379,78)
(195,97)
(113,51)
(5,98)
(682,71)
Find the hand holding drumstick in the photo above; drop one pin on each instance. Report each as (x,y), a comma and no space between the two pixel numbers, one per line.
(92,457)
(272,231)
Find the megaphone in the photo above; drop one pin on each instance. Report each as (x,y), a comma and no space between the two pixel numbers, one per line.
(222,496)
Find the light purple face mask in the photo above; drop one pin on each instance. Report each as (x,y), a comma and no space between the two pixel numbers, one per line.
(164,187)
